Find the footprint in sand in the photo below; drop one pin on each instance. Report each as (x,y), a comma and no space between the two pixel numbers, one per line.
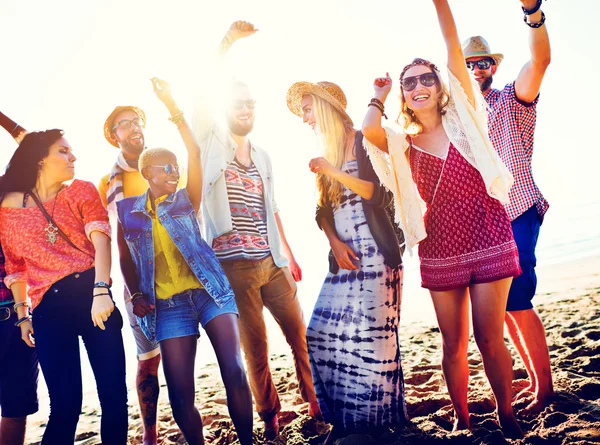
(593,335)
(418,378)
(570,333)
(589,391)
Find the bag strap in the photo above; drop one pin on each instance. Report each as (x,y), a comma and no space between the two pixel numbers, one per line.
(62,234)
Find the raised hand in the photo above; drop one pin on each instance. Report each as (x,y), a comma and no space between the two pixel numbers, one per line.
(241,29)
(382,87)
(162,89)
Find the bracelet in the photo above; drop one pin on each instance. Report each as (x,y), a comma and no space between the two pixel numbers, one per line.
(535,9)
(22,320)
(136,298)
(106,293)
(102,284)
(535,25)
(22,304)
(177,118)
(377,101)
(379,107)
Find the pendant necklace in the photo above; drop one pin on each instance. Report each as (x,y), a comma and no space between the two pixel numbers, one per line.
(51,230)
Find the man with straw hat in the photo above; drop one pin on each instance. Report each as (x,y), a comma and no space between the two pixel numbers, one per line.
(124,130)
(242,225)
(512,121)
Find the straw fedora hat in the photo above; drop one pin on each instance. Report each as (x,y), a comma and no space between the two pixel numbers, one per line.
(109,122)
(327,91)
(478,47)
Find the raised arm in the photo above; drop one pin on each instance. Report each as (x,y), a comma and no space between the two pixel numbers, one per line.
(203,119)
(14,129)
(456,58)
(527,85)
(194,179)
(371,126)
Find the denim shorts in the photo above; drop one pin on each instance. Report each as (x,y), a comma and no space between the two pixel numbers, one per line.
(526,229)
(180,315)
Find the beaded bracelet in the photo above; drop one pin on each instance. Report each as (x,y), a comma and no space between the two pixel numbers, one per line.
(22,320)
(535,25)
(177,118)
(535,9)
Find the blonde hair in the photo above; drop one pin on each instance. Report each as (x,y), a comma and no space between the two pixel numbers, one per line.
(333,132)
(406,117)
(149,156)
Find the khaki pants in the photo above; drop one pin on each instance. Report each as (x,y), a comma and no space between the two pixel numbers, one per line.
(259,284)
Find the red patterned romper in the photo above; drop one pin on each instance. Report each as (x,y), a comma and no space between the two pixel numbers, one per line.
(469,237)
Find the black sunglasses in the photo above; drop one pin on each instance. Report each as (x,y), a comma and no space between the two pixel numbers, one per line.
(426,79)
(126,123)
(482,64)
(167,168)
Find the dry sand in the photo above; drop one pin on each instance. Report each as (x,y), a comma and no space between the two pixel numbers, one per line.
(569,305)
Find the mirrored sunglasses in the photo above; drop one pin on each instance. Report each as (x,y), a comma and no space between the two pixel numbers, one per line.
(426,79)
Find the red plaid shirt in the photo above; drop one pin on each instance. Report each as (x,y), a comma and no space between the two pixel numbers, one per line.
(5,293)
(511,128)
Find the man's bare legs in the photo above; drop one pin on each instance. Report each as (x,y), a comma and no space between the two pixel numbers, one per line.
(146,383)
(529,337)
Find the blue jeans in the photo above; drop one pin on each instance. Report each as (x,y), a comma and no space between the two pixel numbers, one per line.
(58,322)
(526,229)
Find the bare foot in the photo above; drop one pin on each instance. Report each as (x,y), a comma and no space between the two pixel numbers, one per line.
(510,427)
(271,428)
(525,393)
(539,403)
(461,425)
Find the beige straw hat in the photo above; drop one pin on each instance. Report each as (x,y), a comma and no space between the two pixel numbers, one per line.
(478,47)
(327,91)
(109,122)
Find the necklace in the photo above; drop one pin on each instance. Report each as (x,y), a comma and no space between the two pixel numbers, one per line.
(51,230)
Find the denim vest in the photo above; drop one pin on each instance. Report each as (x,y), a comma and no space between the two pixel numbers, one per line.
(177,216)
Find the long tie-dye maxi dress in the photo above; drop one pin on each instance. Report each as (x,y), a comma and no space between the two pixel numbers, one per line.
(353,332)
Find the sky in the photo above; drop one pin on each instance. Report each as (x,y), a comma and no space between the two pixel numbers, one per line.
(68,63)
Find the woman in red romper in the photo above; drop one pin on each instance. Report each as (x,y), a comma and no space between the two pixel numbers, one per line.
(467,250)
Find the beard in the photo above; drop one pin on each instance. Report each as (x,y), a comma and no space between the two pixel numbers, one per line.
(486,84)
(239,129)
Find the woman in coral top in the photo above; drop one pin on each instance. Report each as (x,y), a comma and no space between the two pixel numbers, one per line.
(56,240)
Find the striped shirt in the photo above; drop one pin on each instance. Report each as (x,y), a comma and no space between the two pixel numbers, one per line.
(511,129)
(248,240)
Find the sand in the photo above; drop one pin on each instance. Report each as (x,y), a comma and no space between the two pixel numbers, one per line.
(568,302)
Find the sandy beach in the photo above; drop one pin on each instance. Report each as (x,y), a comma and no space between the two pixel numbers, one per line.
(568,302)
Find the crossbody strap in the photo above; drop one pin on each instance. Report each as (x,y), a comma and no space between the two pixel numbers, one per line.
(62,234)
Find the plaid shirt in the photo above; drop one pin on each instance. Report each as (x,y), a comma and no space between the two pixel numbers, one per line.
(5,293)
(511,128)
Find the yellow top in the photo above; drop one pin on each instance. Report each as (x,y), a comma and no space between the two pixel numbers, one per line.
(134,184)
(172,274)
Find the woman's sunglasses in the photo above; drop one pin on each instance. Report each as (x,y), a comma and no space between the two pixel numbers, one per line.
(167,168)
(427,80)
(482,64)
